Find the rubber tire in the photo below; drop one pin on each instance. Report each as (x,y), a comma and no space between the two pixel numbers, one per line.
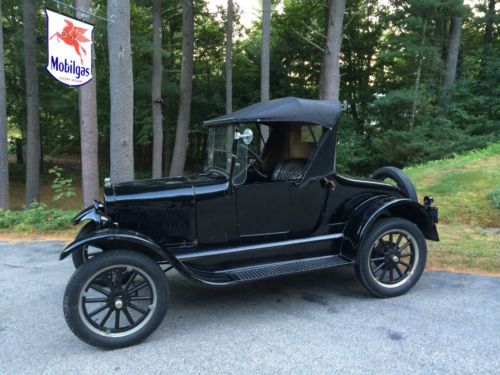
(362,266)
(77,255)
(402,180)
(80,278)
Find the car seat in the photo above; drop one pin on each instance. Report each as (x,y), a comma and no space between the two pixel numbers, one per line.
(289,169)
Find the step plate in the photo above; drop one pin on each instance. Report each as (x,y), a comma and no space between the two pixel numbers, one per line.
(290,267)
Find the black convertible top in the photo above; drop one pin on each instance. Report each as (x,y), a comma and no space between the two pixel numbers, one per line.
(285,110)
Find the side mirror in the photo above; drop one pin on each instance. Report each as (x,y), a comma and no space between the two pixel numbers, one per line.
(246,136)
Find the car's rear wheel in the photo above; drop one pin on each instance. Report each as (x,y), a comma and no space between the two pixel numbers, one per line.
(392,257)
(402,181)
(116,299)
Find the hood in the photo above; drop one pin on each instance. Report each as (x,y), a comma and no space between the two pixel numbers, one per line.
(161,188)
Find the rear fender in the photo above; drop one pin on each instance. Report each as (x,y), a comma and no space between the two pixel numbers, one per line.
(362,220)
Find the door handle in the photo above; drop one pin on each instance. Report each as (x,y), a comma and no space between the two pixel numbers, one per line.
(330,183)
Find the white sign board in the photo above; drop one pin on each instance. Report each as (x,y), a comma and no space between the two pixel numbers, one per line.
(69,49)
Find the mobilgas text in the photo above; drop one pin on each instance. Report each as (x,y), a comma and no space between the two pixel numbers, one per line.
(70,67)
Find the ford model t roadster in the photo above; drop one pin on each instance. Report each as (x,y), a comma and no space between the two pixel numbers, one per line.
(249,215)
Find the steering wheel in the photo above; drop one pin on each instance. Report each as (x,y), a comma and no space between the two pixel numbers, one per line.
(259,165)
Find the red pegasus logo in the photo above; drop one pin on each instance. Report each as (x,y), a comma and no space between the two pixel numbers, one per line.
(73,36)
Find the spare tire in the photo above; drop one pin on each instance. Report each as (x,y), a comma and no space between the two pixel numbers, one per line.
(402,181)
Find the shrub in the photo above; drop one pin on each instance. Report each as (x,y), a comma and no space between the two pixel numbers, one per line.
(39,217)
(63,187)
(494,196)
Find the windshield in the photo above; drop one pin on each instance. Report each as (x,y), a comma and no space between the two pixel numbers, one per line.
(219,158)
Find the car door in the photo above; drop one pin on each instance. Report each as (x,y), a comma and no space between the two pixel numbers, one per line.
(263,209)
(307,203)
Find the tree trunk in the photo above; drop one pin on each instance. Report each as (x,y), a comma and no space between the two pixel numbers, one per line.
(87,103)
(331,84)
(229,78)
(121,92)
(264,59)
(167,156)
(168,141)
(4,147)
(186,88)
(417,78)
(156,90)
(33,146)
(488,30)
(229,67)
(321,89)
(487,39)
(451,64)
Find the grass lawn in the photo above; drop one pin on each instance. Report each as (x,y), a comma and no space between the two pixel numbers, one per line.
(469,221)
(469,225)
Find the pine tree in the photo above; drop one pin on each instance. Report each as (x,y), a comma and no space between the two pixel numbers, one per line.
(331,74)
(451,64)
(156,90)
(121,91)
(186,89)
(4,147)
(33,145)
(87,104)
(265,59)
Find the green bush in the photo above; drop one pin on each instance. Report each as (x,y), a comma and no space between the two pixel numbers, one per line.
(39,217)
(494,196)
(63,187)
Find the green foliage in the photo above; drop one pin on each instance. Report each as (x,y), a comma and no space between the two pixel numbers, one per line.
(63,187)
(383,44)
(494,196)
(39,217)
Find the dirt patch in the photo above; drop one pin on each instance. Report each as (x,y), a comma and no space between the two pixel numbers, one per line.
(66,236)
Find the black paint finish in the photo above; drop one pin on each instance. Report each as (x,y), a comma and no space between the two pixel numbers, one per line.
(210,229)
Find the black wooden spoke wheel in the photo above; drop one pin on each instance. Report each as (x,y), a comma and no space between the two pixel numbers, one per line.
(116,299)
(391,258)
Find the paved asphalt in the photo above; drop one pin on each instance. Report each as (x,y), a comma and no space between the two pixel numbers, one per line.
(320,323)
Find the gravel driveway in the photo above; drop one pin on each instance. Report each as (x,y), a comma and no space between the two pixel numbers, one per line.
(320,323)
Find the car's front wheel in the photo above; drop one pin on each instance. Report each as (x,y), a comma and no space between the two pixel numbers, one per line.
(392,257)
(116,299)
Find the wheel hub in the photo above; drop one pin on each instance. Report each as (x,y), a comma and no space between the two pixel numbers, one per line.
(118,303)
(395,259)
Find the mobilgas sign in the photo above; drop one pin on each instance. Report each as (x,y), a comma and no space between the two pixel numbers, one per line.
(69,49)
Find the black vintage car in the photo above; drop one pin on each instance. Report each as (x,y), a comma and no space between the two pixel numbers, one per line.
(260,209)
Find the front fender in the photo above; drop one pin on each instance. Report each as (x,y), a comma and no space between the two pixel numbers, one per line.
(114,238)
(361,221)
(89,213)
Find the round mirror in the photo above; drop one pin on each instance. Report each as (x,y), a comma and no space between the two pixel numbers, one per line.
(247,136)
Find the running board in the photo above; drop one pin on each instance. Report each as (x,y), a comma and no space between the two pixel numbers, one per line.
(288,267)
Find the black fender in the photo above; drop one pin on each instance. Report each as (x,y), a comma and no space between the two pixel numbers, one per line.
(88,213)
(115,238)
(93,213)
(363,217)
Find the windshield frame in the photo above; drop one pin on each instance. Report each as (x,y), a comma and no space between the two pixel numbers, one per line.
(232,153)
